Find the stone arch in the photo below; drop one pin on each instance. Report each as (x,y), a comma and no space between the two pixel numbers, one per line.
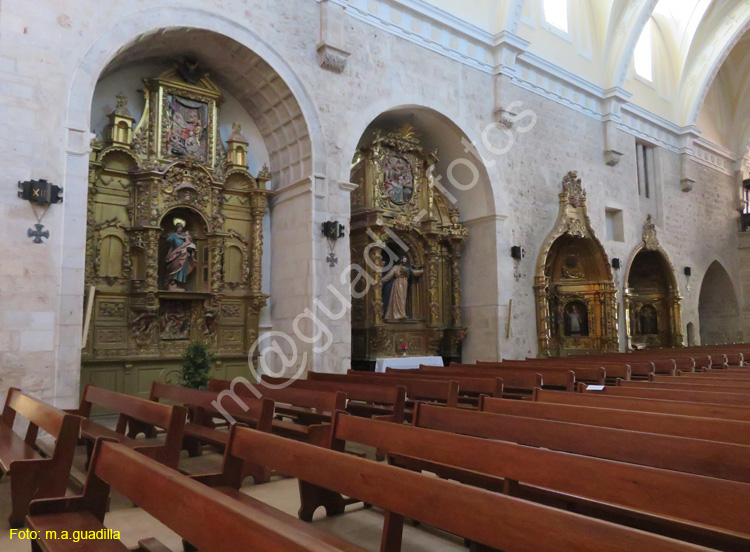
(272,92)
(481,207)
(434,114)
(718,308)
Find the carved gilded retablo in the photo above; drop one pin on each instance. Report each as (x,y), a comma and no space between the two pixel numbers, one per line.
(407,238)
(174,236)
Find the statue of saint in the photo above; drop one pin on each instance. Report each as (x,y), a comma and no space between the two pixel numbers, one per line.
(577,324)
(396,294)
(181,259)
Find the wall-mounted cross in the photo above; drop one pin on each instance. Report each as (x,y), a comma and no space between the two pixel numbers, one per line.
(38,234)
(332,259)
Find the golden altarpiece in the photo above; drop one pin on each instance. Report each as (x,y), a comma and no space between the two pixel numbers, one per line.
(576,297)
(174,238)
(652,297)
(408,238)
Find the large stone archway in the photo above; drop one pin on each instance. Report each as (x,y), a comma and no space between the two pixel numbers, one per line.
(271,92)
(466,182)
(718,308)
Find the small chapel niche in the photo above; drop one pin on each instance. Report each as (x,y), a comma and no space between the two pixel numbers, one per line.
(575,292)
(652,298)
(406,235)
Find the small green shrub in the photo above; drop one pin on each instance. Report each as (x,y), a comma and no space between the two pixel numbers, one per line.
(196,366)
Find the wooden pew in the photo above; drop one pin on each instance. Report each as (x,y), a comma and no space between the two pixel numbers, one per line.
(513,378)
(682,408)
(614,368)
(312,409)
(444,392)
(730,386)
(700,509)
(735,399)
(708,458)
(489,519)
(382,403)
(135,416)
(710,429)
(468,387)
(210,520)
(199,431)
(32,474)
(511,384)
(595,375)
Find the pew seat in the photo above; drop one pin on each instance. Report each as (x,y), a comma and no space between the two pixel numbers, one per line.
(33,475)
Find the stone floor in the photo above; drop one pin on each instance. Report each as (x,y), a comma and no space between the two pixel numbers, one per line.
(357,525)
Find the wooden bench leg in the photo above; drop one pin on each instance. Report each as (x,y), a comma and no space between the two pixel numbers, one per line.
(393,530)
(260,474)
(312,497)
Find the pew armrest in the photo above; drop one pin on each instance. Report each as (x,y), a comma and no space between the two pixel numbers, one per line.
(62,505)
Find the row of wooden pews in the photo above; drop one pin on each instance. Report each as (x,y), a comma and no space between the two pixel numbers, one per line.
(586,461)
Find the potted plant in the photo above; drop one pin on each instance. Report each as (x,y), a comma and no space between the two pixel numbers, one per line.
(196,366)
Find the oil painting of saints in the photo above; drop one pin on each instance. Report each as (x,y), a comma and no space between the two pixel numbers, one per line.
(398,180)
(187,128)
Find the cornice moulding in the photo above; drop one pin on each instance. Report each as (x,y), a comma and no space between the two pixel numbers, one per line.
(506,53)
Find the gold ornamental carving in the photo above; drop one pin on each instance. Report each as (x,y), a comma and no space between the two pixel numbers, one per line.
(168,189)
(653,304)
(650,240)
(408,238)
(576,297)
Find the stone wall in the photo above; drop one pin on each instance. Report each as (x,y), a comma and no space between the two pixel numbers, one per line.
(312,121)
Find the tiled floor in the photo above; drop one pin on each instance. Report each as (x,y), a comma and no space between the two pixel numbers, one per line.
(360,526)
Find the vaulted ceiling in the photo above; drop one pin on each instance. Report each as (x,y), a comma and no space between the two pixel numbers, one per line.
(701,61)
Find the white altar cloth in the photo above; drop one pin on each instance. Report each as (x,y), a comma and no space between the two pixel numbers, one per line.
(406,363)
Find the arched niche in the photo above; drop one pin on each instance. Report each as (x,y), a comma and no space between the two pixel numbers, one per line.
(475,185)
(576,298)
(267,89)
(718,308)
(652,297)
(173,155)
(407,236)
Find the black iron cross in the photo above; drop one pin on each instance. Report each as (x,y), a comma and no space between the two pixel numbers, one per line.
(332,259)
(38,234)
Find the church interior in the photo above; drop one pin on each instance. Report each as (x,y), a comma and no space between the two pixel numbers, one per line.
(375,275)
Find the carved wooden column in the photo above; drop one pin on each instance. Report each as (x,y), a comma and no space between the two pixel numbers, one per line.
(433,260)
(456,281)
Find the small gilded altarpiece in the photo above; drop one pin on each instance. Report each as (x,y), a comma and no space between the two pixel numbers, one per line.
(652,296)
(406,249)
(576,298)
(174,238)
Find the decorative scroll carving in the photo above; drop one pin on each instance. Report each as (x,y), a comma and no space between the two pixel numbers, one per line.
(650,240)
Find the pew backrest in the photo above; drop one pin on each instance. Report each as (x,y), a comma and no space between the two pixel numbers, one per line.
(709,458)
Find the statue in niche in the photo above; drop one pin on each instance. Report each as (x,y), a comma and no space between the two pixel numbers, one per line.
(398,179)
(396,289)
(181,258)
(576,320)
(648,320)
